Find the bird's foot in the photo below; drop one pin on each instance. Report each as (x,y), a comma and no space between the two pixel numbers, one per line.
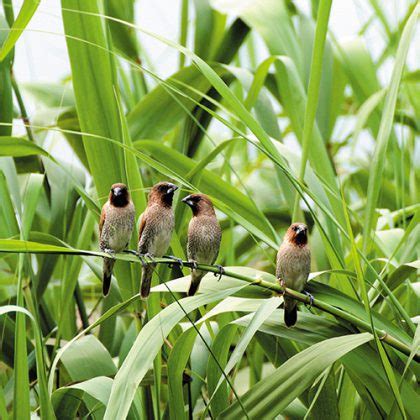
(311,298)
(283,286)
(130,251)
(110,252)
(194,265)
(143,262)
(142,258)
(219,273)
(176,259)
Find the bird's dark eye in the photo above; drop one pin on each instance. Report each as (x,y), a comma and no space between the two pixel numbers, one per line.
(295,228)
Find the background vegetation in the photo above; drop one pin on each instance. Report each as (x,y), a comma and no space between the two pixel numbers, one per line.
(311,129)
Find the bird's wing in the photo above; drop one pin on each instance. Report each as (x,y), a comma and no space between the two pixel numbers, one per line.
(102,220)
(142,225)
(280,262)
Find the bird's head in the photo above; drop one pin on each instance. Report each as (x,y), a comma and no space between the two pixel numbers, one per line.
(162,193)
(200,204)
(119,195)
(297,234)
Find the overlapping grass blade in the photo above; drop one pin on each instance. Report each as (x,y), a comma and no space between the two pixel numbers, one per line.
(145,348)
(385,128)
(25,14)
(271,396)
(313,88)
(45,402)
(94,90)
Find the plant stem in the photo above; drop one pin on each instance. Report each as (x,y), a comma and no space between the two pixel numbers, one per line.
(354,320)
(81,306)
(183,30)
(22,108)
(28,128)
(365,326)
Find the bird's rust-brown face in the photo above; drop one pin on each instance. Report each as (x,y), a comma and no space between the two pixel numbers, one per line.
(199,203)
(297,234)
(119,195)
(163,193)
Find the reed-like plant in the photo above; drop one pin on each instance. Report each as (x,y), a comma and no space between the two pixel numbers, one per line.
(307,132)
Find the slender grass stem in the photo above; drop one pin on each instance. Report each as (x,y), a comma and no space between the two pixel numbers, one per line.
(22,108)
(325,307)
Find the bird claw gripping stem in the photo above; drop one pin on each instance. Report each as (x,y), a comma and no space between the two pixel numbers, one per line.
(311,298)
(219,273)
(194,265)
(145,263)
(283,286)
(110,252)
(176,260)
(142,260)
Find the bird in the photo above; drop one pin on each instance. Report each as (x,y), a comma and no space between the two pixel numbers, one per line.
(115,228)
(293,267)
(204,236)
(155,230)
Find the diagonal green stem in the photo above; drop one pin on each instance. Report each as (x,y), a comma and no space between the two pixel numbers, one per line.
(325,307)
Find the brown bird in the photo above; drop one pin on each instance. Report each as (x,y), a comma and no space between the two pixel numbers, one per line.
(293,267)
(115,228)
(204,236)
(155,231)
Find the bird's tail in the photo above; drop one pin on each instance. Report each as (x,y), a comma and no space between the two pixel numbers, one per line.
(108,265)
(146,280)
(290,312)
(196,276)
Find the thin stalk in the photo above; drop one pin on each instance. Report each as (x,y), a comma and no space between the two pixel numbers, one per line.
(313,89)
(28,128)
(81,306)
(23,113)
(183,31)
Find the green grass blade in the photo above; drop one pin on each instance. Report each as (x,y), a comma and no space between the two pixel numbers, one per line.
(45,403)
(362,285)
(25,14)
(264,311)
(21,379)
(268,398)
(146,346)
(176,364)
(313,89)
(378,162)
(6,94)
(94,90)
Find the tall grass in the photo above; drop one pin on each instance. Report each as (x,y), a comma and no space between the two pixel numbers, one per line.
(310,131)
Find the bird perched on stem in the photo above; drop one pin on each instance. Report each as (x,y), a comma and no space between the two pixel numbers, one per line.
(155,230)
(204,236)
(115,228)
(293,267)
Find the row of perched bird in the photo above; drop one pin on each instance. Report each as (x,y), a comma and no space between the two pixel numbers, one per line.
(204,235)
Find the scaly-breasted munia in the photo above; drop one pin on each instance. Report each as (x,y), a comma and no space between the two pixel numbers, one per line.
(156,227)
(293,266)
(115,228)
(204,236)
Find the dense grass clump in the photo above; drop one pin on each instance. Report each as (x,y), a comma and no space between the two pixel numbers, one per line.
(276,120)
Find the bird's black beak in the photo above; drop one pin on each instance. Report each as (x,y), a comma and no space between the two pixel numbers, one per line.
(117,192)
(301,229)
(187,200)
(172,189)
